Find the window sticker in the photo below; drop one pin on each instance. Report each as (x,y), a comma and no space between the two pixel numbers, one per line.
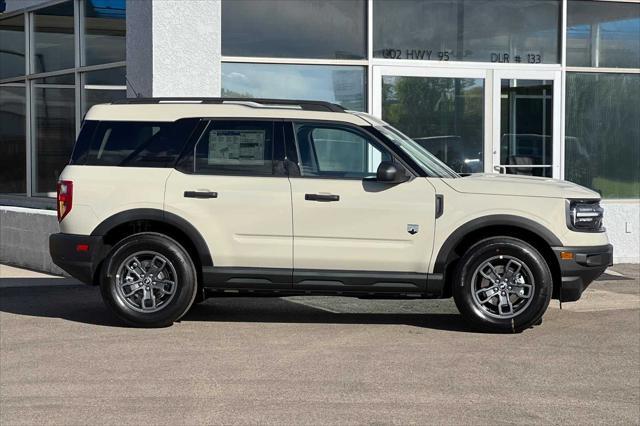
(240,147)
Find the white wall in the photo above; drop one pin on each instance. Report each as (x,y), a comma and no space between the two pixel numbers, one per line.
(174,48)
(622,220)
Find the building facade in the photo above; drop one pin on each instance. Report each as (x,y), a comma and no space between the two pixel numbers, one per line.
(531,87)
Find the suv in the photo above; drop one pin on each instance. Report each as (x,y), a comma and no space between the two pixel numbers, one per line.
(168,201)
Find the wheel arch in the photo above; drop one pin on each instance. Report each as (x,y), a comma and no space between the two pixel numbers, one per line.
(496,225)
(125,223)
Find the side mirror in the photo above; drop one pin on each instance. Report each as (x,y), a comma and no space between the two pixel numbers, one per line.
(391,173)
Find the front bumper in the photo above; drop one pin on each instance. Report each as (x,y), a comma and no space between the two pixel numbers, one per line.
(586,264)
(78,255)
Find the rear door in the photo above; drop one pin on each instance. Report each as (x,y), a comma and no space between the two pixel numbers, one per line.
(351,232)
(232,187)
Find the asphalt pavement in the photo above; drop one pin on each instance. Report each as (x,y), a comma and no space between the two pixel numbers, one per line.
(64,359)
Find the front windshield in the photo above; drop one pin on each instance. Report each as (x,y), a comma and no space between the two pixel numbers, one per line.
(429,162)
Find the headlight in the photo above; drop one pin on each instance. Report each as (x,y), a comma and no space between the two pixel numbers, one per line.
(585,216)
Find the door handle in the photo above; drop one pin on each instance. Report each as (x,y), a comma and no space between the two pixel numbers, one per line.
(200,194)
(321,197)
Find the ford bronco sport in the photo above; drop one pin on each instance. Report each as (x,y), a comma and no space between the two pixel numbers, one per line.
(168,201)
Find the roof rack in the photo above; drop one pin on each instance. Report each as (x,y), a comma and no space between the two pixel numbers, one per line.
(250,102)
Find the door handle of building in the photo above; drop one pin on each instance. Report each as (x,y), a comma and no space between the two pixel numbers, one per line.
(200,194)
(321,197)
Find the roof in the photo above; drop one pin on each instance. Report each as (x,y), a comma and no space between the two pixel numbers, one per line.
(171,109)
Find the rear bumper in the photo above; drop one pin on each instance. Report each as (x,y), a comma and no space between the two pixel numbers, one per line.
(587,264)
(68,252)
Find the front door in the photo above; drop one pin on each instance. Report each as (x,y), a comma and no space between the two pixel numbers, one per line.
(526,125)
(476,120)
(351,232)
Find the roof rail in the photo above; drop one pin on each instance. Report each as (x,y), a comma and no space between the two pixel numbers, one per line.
(250,102)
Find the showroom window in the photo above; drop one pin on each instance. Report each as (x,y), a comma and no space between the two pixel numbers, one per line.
(12,45)
(340,84)
(603,34)
(523,31)
(328,29)
(103,86)
(104,31)
(46,86)
(54,130)
(53,38)
(602,144)
(12,139)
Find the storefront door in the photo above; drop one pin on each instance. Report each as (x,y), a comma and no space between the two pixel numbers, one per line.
(475,120)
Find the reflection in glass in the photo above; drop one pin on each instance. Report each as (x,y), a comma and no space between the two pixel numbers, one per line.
(104,86)
(53,38)
(444,115)
(603,34)
(12,139)
(343,85)
(330,29)
(602,144)
(526,123)
(54,115)
(104,31)
(12,47)
(526,31)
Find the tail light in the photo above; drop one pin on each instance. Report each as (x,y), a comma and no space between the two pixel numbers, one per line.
(65,198)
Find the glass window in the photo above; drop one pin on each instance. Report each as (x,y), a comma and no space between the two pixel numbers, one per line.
(603,34)
(135,144)
(338,152)
(236,147)
(12,47)
(104,86)
(55,130)
(53,38)
(602,146)
(443,115)
(343,85)
(330,29)
(104,31)
(523,31)
(526,127)
(13,172)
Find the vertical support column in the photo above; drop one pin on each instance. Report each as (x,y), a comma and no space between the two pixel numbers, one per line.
(164,59)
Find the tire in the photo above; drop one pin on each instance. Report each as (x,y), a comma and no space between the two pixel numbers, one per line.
(503,285)
(136,281)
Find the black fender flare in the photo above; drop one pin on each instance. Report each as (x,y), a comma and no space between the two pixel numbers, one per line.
(162,216)
(487,221)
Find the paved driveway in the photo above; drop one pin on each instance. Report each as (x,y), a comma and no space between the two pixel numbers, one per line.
(65,360)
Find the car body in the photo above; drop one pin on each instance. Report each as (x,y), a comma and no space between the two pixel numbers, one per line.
(273,198)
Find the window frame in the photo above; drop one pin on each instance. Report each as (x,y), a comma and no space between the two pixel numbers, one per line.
(186,162)
(292,147)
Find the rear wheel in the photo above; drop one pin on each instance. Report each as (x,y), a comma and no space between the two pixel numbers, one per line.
(502,284)
(149,280)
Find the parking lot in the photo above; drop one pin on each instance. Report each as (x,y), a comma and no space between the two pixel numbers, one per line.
(64,359)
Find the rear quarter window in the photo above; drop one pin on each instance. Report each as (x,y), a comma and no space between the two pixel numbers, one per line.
(132,143)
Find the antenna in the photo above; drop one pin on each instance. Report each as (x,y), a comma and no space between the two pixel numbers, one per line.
(138,95)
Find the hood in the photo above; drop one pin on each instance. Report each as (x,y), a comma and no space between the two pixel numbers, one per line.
(529,186)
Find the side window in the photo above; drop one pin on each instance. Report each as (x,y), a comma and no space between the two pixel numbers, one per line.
(336,151)
(137,143)
(236,147)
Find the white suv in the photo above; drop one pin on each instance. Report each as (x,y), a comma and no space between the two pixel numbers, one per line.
(168,201)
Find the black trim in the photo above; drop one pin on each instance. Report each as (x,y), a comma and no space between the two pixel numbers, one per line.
(588,263)
(483,222)
(439,205)
(79,264)
(158,216)
(200,194)
(312,281)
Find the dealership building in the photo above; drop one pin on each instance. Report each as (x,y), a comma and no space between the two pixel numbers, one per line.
(531,87)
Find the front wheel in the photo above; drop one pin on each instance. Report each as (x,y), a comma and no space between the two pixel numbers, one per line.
(502,284)
(149,280)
